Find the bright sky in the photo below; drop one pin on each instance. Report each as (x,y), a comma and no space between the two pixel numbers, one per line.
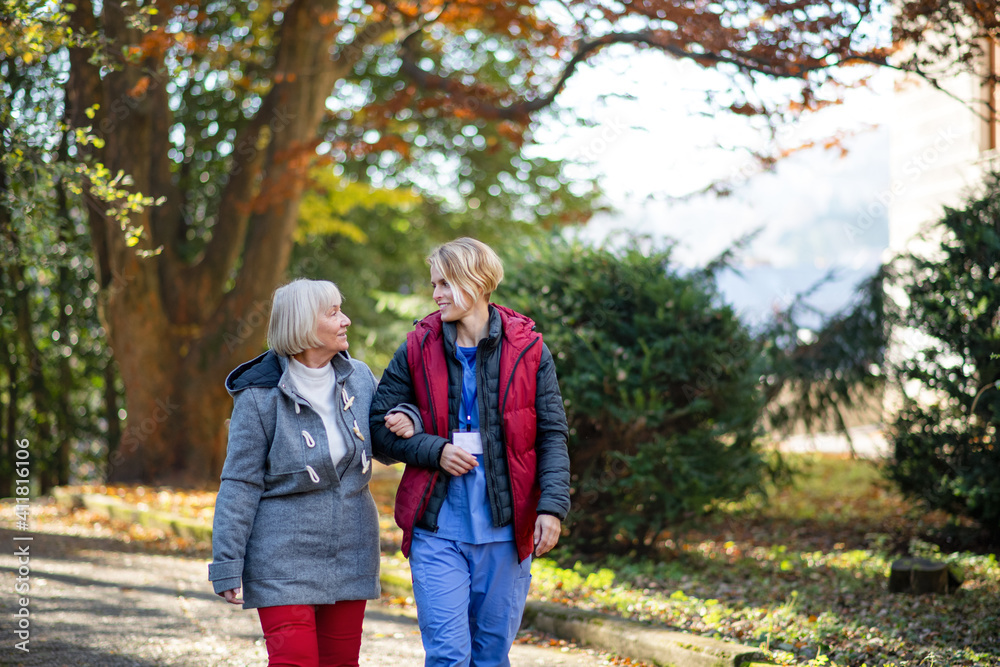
(657,144)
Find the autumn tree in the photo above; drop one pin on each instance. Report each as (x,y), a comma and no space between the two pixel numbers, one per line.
(207,116)
(58,385)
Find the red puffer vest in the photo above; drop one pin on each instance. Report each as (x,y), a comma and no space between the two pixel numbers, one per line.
(520,357)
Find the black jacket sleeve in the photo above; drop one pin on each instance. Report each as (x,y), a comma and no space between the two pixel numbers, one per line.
(550,441)
(395,389)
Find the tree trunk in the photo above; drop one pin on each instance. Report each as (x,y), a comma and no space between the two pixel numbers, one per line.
(175,429)
(66,422)
(7,445)
(41,398)
(174,326)
(8,418)
(114,433)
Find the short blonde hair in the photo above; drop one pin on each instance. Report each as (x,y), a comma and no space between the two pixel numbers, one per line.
(295,311)
(471,266)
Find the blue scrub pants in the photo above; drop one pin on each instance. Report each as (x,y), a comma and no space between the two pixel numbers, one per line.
(470,598)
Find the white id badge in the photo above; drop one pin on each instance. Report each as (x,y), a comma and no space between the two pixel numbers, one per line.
(470,441)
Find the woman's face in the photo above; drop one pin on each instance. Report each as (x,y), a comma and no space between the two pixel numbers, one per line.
(445,298)
(331,329)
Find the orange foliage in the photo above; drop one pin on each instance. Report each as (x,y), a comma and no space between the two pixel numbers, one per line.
(286,179)
(771,42)
(812,105)
(391,142)
(157,42)
(464,113)
(746,109)
(408,9)
(834,142)
(189,43)
(154,44)
(511,131)
(140,87)
(327,18)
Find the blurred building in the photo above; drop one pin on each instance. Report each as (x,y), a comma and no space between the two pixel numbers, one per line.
(942,141)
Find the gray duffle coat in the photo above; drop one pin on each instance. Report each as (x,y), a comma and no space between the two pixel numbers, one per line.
(290,527)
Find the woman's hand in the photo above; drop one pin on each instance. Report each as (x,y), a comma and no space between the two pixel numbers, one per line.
(456,461)
(547,530)
(400,424)
(232,596)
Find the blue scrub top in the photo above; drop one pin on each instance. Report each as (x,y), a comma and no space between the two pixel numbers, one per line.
(465,514)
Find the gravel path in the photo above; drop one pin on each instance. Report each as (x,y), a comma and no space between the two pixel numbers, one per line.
(94,603)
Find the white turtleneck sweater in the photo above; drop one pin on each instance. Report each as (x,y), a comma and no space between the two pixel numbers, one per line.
(316,386)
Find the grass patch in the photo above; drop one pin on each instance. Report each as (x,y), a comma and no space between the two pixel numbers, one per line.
(802,575)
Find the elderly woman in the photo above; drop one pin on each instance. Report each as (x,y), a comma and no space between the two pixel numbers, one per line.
(295,523)
(487,485)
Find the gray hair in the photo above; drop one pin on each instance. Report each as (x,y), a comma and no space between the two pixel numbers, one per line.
(295,311)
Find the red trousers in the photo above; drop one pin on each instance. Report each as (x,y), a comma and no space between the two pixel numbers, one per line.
(305,635)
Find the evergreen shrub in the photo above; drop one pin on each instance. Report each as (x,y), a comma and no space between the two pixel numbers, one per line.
(660,383)
(944,439)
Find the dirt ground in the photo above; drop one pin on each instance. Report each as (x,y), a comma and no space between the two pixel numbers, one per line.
(100,603)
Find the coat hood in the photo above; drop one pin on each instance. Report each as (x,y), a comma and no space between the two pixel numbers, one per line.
(267,369)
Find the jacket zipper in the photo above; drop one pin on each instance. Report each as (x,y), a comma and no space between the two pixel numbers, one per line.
(484,429)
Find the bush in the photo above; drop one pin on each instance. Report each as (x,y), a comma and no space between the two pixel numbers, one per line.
(660,385)
(945,452)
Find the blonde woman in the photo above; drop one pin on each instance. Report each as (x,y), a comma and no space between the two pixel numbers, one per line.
(486,486)
(295,523)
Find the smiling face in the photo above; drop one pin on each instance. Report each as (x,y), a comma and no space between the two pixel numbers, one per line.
(453,304)
(331,330)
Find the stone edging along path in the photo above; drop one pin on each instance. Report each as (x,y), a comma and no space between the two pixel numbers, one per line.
(636,640)
(114,508)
